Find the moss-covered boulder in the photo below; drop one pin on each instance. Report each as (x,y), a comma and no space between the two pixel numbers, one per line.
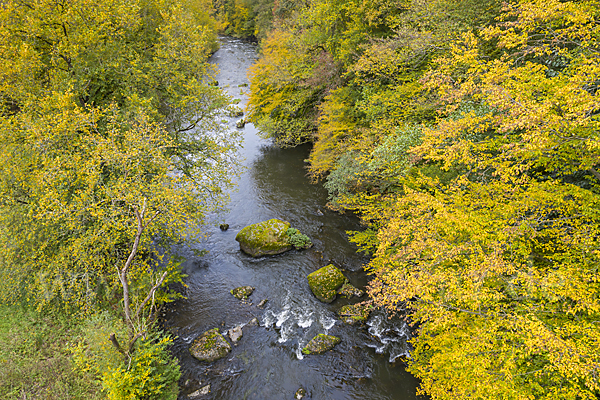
(355,313)
(242,292)
(210,346)
(264,238)
(320,344)
(324,283)
(348,290)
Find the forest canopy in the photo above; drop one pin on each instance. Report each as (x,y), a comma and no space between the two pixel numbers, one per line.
(466,136)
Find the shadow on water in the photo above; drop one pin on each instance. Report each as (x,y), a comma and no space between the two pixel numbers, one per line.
(267,363)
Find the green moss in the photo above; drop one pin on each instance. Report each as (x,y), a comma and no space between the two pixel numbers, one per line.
(320,344)
(325,282)
(242,292)
(356,313)
(264,238)
(210,346)
(211,339)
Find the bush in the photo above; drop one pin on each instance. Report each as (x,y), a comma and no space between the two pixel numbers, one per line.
(297,239)
(150,372)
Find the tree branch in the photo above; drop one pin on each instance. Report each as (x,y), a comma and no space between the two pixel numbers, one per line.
(132,342)
(150,295)
(115,342)
(595,173)
(123,272)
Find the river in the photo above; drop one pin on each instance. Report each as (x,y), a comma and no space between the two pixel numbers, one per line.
(267,363)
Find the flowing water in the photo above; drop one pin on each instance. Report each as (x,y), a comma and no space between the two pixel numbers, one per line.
(267,363)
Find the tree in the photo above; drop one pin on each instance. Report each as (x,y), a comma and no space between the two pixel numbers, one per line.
(496,258)
(106,121)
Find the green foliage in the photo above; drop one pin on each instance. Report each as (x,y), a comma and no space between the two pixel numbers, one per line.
(35,361)
(465,134)
(297,239)
(152,373)
(254,18)
(282,101)
(148,372)
(109,147)
(109,116)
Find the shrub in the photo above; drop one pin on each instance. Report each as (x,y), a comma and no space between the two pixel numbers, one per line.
(150,372)
(297,239)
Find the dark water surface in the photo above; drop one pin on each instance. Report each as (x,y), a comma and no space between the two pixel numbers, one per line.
(267,363)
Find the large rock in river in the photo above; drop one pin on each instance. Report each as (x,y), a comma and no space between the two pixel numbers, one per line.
(265,238)
(324,283)
(210,346)
(320,344)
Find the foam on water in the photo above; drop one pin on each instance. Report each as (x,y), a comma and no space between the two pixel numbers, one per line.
(327,322)
(391,337)
(305,322)
(298,319)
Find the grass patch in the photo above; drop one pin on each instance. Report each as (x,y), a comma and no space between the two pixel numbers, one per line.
(36,361)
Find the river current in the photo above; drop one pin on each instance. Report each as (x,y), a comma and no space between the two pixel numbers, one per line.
(267,362)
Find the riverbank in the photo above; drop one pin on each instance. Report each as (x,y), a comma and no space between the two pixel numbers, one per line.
(36,361)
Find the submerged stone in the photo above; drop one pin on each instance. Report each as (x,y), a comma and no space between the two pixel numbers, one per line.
(321,343)
(355,313)
(200,392)
(348,290)
(242,292)
(224,227)
(262,303)
(264,238)
(324,283)
(300,393)
(210,346)
(235,334)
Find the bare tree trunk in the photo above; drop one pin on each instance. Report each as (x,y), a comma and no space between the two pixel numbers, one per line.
(124,279)
(123,272)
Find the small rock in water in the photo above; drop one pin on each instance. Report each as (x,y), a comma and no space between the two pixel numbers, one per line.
(300,393)
(200,392)
(348,290)
(262,303)
(319,212)
(324,283)
(240,124)
(253,322)
(242,292)
(224,227)
(235,334)
(210,346)
(320,344)
(355,314)
(191,385)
